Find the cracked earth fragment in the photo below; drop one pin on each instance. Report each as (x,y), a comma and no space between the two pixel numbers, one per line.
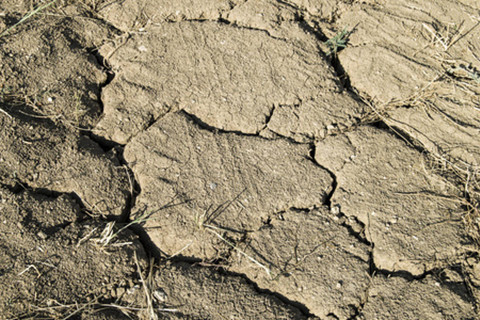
(64,84)
(404,207)
(414,58)
(441,297)
(230,78)
(312,259)
(71,165)
(130,15)
(222,180)
(202,293)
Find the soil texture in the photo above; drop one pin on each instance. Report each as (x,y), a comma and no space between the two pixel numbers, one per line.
(241,159)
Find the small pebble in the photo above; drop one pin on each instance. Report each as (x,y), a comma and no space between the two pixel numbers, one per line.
(335,209)
(160,295)
(42,235)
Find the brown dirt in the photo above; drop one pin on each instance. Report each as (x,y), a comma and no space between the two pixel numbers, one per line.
(215,159)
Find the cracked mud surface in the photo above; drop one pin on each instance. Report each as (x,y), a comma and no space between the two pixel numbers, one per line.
(213,159)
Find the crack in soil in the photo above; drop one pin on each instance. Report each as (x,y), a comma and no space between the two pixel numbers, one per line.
(295,304)
(197,121)
(150,248)
(21,186)
(154,251)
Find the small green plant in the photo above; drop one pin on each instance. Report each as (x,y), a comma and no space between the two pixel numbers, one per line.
(338,42)
(28,16)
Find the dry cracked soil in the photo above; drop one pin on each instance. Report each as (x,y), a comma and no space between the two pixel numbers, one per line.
(240,159)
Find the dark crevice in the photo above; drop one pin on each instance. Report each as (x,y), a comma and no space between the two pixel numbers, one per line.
(295,304)
(332,316)
(399,134)
(105,144)
(359,235)
(268,117)
(314,30)
(401,273)
(225,21)
(334,208)
(151,121)
(332,58)
(328,199)
(200,123)
(150,248)
(276,136)
(109,146)
(106,67)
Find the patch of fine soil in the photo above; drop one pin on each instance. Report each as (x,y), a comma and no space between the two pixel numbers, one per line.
(37,154)
(51,267)
(218,159)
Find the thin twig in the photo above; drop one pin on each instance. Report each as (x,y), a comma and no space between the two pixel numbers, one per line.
(150,310)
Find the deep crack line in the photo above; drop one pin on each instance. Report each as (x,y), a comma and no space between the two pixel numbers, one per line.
(328,200)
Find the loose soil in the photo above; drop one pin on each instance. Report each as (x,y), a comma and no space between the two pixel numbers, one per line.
(221,160)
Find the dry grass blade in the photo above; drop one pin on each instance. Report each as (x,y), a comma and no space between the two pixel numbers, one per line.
(28,16)
(146,287)
(67,311)
(108,234)
(269,273)
(6,113)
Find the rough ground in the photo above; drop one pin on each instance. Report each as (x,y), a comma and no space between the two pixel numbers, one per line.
(231,160)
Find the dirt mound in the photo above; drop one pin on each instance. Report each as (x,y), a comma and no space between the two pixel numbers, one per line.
(50,67)
(203,293)
(309,257)
(435,297)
